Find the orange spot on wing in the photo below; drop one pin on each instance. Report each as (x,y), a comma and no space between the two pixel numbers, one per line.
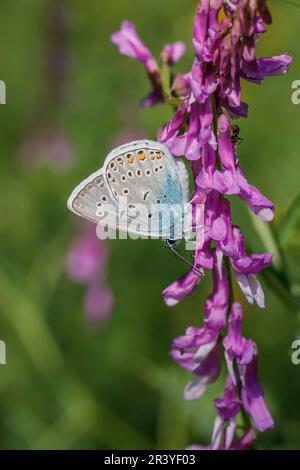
(142,156)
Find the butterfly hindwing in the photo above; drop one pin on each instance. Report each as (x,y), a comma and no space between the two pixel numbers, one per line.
(93,201)
(92,198)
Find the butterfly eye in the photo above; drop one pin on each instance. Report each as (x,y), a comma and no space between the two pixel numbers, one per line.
(161,167)
(125,191)
(156,169)
(123,178)
(148,172)
(138,172)
(130,174)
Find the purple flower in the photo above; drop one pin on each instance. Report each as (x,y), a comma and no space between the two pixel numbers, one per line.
(246,267)
(253,396)
(172,53)
(206,100)
(198,351)
(242,443)
(86,264)
(183,287)
(236,346)
(257,70)
(207,29)
(98,303)
(131,45)
(204,81)
(199,132)
(230,179)
(87,258)
(224,432)
(244,352)
(217,304)
(154,97)
(225,424)
(181,85)
(172,129)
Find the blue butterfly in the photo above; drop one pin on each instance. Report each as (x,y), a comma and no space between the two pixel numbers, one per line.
(141,190)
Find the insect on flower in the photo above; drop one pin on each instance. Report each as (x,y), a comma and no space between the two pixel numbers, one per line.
(235,135)
(141,190)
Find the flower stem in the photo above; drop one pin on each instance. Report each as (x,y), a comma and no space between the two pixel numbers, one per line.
(229,277)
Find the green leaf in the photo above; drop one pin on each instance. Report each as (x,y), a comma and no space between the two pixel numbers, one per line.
(166,80)
(292,216)
(267,235)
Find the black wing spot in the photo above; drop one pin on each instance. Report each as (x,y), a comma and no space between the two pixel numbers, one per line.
(146,194)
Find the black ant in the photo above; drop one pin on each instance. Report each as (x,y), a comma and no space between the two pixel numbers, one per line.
(235,136)
(236,140)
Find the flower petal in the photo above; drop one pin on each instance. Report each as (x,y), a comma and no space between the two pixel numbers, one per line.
(131,45)
(172,53)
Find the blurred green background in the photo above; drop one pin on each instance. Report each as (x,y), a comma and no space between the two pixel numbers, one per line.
(69,383)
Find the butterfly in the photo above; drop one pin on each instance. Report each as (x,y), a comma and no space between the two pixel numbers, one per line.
(141,190)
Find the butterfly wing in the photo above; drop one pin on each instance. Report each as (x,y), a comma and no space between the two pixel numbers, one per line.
(144,173)
(90,197)
(140,174)
(92,200)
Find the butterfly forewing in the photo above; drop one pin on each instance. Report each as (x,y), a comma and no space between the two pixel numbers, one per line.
(135,190)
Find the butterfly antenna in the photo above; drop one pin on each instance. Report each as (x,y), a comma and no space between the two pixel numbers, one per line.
(184,258)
